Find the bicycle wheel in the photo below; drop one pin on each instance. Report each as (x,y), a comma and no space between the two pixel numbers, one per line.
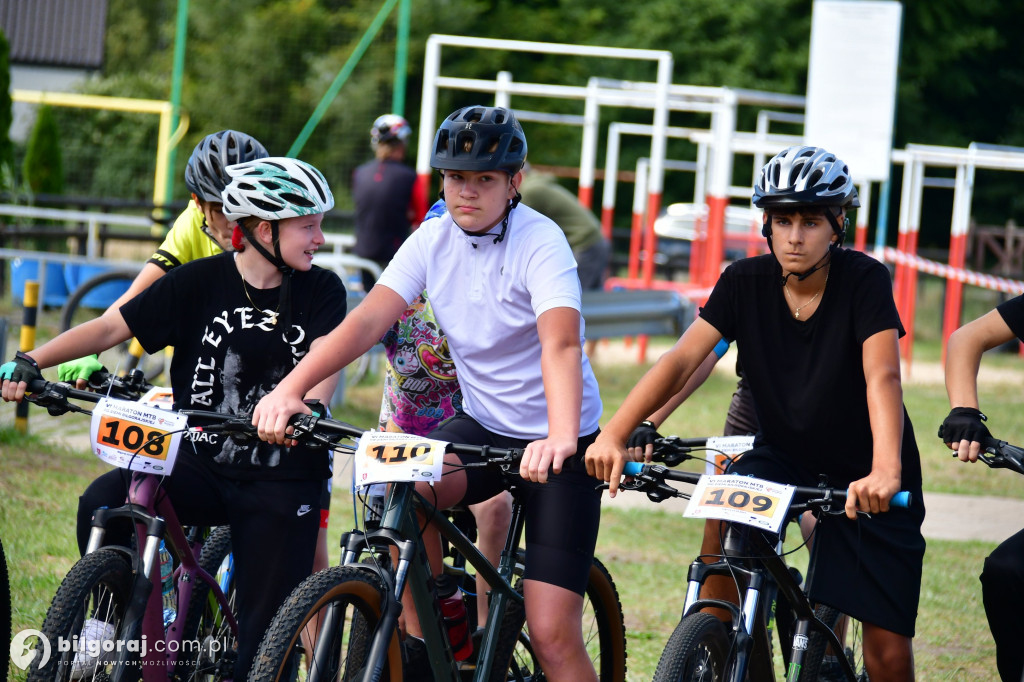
(604,631)
(5,598)
(815,667)
(354,597)
(696,650)
(90,604)
(212,657)
(81,306)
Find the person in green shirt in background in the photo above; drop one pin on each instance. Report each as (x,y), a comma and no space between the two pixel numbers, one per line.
(582,229)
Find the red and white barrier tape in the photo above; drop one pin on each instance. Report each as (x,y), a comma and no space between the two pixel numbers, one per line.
(1010,286)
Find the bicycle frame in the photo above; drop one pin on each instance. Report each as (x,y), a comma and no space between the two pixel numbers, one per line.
(398,524)
(762,568)
(154,518)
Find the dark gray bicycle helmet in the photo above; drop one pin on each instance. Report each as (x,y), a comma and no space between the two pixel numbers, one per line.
(205,174)
(480,138)
(805,176)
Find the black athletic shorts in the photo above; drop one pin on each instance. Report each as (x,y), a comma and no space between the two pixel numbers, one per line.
(562,515)
(868,568)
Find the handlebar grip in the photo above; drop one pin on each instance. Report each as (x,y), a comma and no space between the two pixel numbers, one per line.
(901,499)
(37,386)
(632,468)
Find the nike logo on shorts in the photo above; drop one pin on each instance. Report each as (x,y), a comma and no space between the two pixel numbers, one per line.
(303,510)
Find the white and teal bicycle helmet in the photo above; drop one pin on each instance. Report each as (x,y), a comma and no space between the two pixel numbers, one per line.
(275,188)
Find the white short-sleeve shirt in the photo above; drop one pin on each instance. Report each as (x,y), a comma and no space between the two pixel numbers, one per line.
(487,297)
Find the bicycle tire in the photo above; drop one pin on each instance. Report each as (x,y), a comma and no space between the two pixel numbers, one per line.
(604,630)
(817,644)
(98,586)
(360,594)
(5,597)
(74,313)
(206,624)
(696,651)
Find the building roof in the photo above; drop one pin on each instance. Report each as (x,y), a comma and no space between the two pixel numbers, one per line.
(66,33)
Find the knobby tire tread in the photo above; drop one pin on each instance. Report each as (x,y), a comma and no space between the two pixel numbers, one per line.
(64,618)
(344,585)
(611,628)
(697,650)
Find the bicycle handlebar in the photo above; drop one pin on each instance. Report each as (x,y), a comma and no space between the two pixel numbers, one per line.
(999,454)
(312,428)
(650,478)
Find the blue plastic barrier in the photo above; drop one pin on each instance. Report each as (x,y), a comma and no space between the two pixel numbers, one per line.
(102,296)
(24,269)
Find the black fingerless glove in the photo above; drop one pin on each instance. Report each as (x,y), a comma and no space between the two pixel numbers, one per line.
(21,368)
(964,423)
(643,435)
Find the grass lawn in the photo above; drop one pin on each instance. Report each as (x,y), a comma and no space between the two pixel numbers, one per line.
(647,550)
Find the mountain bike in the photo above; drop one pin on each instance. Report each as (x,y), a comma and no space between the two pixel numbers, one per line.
(603,626)
(109,619)
(355,606)
(755,514)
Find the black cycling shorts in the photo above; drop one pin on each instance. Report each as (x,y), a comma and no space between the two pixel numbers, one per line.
(869,568)
(562,515)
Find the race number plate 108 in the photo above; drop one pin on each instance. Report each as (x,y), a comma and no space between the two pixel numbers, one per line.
(131,435)
(384,457)
(741,499)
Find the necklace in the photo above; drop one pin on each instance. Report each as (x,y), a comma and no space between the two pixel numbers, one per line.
(798,308)
(270,316)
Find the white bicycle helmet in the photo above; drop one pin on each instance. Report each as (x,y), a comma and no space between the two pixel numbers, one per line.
(389,127)
(205,174)
(275,188)
(805,176)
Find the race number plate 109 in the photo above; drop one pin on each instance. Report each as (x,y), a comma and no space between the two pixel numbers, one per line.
(384,457)
(135,436)
(741,499)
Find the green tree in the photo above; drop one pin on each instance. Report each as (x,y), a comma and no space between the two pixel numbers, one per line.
(44,166)
(6,148)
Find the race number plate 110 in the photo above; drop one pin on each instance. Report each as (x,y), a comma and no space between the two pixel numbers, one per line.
(741,499)
(384,457)
(135,436)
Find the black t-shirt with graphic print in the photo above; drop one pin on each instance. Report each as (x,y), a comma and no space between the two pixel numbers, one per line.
(1012,312)
(227,355)
(807,376)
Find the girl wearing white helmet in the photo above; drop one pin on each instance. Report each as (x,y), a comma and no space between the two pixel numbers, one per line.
(817,331)
(502,281)
(238,322)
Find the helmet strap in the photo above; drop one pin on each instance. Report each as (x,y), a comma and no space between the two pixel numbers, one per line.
(285,296)
(824,262)
(504,221)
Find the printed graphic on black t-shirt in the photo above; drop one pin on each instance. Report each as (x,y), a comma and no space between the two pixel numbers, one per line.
(230,352)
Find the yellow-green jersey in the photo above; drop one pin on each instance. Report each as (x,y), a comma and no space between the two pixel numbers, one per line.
(187,241)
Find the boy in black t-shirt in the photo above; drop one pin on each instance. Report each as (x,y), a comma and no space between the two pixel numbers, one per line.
(817,332)
(963,430)
(239,322)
